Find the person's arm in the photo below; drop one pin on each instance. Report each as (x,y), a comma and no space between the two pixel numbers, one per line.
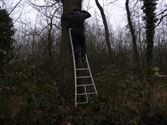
(82,15)
(72,16)
(85,14)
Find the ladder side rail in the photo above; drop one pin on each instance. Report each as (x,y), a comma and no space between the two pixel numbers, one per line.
(86,94)
(91,74)
(75,74)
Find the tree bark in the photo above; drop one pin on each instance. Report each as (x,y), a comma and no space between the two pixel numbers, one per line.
(50,40)
(107,35)
(132,31)
(66,84)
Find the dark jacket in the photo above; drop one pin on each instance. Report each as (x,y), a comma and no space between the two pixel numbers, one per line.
(76,20)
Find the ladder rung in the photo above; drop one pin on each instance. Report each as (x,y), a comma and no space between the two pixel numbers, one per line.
(89,93)
(82,69)
(83,77)
(92,93)
(81,94)
(85,85)
(78,103)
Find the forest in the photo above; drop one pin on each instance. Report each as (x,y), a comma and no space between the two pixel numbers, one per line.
(128,63)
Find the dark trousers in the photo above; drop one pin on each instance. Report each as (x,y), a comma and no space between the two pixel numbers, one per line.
(79,45)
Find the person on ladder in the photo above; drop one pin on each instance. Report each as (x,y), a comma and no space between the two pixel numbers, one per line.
(76,23)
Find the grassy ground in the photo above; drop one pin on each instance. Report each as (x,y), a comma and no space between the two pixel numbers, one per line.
(29,96)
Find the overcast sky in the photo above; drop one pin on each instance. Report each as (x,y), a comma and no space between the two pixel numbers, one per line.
(114,11)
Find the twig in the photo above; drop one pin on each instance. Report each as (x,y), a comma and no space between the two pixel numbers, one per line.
(160,20)
(15,7)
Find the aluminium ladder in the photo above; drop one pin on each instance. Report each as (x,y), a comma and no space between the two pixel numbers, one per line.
(85,87)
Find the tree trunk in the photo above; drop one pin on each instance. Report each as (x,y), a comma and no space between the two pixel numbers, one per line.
(149,8)
(132,31)
(107,35)
(66,84)
(50,40)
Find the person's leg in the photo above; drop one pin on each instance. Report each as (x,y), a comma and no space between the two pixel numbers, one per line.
(75,45)
(83,46)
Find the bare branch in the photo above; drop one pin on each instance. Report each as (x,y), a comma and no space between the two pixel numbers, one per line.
(15,7)
(45,6)
(135,4)
(57,26)
(162,16)
(112,2)
(53,15)
(3,3)
(160,20)
(162,12)
(21,13)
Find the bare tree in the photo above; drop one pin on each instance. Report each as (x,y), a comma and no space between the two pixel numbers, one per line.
(107,34)
(132,31)
(49,11)
(149,8)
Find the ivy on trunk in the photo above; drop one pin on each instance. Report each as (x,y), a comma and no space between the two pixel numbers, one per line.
(149,8)
(6,32)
